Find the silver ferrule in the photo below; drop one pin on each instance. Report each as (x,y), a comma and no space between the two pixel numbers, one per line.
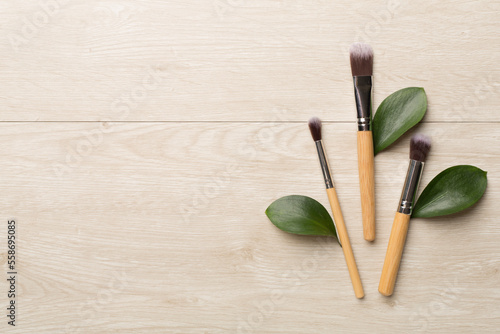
(325,167)
(363,96)
(411,186)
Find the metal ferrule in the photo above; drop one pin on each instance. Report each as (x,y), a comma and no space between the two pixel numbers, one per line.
(363,96)
(325,167)
(411,186)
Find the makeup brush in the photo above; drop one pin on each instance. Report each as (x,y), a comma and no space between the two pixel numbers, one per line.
(315,127)
(419,148)
(361,56)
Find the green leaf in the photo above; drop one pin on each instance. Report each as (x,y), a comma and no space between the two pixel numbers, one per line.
(301,215)
(398,113)
(453,190)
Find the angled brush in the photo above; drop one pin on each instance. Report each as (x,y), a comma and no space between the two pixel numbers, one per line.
(361,56)
(315,127)
(419,148)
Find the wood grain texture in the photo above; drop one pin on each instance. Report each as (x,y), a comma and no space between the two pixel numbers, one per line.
(394,254)
(366,165)
(345,242)
(142,142)
(235,60)
(161,227)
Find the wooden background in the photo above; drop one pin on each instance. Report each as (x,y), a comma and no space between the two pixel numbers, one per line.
(143,140)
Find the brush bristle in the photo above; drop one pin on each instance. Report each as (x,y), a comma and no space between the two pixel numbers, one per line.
(361,55)
(419,147)
(315,127)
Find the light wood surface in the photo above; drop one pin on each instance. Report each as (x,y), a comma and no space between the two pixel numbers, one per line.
(345,242)
(142,142)
(394,253)
(366,165)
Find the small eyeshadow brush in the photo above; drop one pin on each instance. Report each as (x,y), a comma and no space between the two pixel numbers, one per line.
(361,56)
(315,127)
(419,148)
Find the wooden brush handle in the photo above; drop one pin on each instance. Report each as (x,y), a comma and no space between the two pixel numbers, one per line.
(394,253)
(367,183)
(346,244)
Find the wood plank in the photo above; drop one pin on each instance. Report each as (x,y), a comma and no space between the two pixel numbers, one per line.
(160,227)
(238,60)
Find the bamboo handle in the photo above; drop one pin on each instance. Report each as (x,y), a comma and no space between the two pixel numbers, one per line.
(346,244)
(367,183)
(394,253)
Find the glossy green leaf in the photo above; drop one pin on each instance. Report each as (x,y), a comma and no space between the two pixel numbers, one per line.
(301,215)
(398,113)
(453,190)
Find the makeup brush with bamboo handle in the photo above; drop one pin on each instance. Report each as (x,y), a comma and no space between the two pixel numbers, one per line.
(315,127)
(419,148)
(361,56)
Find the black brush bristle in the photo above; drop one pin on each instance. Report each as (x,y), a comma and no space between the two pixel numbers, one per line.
(315,127)
(419,147)
(361,55)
